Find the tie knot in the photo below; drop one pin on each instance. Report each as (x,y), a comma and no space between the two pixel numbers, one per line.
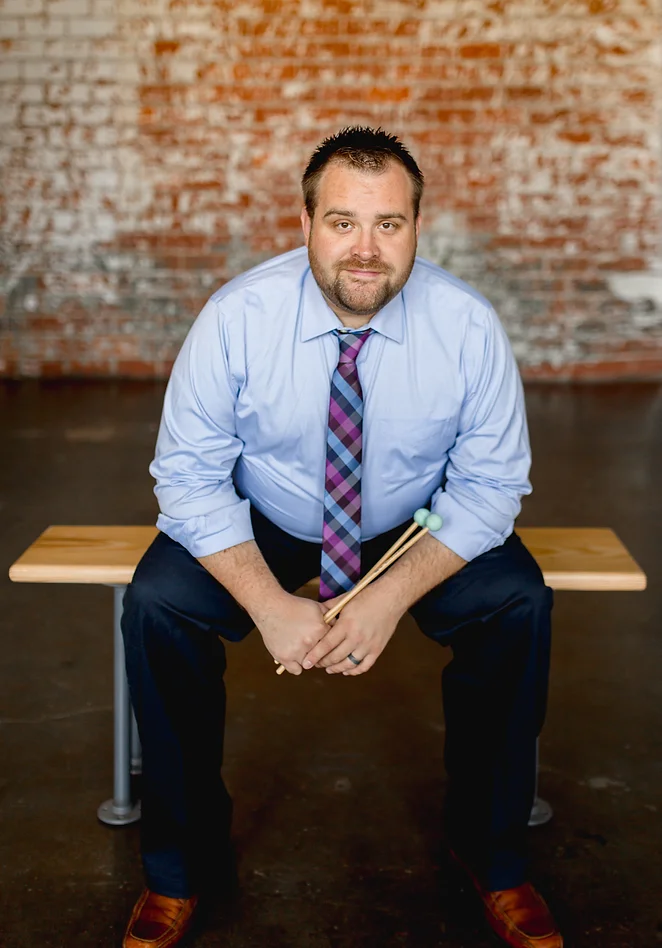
(351,344)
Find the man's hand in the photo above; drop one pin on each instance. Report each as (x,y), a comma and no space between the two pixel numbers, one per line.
(362,629)
(290,626)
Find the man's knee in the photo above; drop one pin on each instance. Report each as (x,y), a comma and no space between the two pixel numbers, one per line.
(530,592)
(157,579)
(514,581)
(171,591)
(143,598)
(506,582)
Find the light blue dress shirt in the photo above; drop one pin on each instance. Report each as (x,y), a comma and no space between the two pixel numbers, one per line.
(246,408)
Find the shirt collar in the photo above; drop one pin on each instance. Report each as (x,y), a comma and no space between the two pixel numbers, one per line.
(318,318)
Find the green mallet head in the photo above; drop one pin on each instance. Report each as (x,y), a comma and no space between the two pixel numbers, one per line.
(433,522)
(421,515)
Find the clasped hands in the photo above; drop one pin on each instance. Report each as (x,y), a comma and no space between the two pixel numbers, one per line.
(295,633)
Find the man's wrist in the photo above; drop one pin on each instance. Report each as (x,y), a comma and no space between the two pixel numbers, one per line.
(266,604)
(393,595)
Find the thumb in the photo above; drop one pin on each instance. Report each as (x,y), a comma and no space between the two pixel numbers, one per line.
(329,604)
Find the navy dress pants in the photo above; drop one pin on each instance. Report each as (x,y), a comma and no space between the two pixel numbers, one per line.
(495,616)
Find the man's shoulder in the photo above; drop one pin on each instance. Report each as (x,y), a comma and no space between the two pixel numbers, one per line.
(428,276)
(280,273)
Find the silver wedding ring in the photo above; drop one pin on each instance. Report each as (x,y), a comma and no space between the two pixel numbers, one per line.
(354,661)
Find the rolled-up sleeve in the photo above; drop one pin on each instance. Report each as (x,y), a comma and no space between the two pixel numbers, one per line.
(197,445)
(488,467)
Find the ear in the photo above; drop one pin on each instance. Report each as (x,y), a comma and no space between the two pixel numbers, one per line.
(306,224)
(418,226)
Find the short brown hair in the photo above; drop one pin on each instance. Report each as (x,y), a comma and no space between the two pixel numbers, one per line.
(365,148)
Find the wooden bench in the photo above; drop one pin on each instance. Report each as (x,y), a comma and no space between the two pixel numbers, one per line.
(585,558)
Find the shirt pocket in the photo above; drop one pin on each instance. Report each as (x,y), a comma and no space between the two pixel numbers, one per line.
(412,448)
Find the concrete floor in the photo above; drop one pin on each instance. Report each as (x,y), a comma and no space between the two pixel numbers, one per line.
(338,783)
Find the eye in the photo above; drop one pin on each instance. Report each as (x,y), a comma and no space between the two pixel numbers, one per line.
(343,226)
(388,226)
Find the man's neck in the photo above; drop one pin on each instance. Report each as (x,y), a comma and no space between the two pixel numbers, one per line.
(349,320)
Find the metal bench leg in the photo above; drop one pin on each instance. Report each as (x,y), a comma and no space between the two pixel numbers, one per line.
(136,749)
(541,811)
(120,809)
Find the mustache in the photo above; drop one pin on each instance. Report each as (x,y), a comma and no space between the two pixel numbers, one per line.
(374,265)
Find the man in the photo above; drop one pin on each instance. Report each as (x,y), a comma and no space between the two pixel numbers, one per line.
(318,400)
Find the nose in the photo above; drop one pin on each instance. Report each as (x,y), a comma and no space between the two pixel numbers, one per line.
(365,246)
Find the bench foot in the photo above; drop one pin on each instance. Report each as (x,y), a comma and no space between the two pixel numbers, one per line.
(136,765)
(113,815)
(541,812)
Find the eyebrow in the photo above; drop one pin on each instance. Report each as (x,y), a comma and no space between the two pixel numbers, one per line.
(339,212)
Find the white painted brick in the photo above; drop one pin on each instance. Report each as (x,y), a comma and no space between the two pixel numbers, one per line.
(9,71)
(10,92)
(27,49)
(32,93)
(196,28)
(182,70)
(91,115)
(57,138)
(96,70)
(125,115)
(8,113)
(44,115)
(35,138)
(108,48)
(66,48)
(64,221)
(128,72)
(60,182)
(103,94)
(104,7)
(22,7)
(77,93)
(49,27)
(129,8)
(96,27)
(69,7)
(105,136)
(10,29)
(105,180)
(35,70)
(93,159)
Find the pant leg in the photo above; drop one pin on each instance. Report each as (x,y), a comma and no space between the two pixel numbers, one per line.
(495,614)
(174,613)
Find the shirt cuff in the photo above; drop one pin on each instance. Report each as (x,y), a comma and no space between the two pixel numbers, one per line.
(211,533)
(462,531)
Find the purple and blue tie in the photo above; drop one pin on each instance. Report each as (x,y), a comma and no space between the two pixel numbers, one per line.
(341,534)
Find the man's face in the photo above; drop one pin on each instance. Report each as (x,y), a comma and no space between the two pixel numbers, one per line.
(362,238)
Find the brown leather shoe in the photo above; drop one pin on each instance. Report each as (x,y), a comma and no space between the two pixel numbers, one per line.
(519,916)
(158,921)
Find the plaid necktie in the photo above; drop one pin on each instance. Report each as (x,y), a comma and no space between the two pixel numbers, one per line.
(341,535)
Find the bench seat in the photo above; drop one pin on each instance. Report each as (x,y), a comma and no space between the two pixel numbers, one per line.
(586,558)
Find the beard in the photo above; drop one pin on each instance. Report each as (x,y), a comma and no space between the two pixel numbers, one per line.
(353,296)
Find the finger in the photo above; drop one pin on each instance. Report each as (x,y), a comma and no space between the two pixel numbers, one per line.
(287,666)
(325,645)
(340,661)
(346,666)
(361,669)
(339,654)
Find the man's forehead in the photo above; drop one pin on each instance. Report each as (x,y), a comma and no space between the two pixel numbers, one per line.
(340,177)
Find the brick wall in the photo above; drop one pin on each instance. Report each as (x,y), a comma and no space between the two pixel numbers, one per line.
(151,149)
